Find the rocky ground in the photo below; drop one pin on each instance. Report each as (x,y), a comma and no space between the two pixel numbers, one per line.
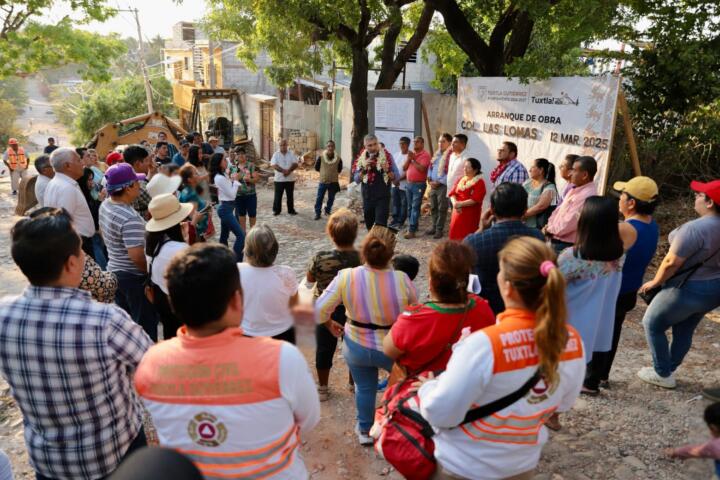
(619,435)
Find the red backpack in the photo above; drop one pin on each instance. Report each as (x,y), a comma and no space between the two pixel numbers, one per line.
(404,437)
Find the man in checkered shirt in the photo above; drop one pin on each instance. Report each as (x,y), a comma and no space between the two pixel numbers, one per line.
(509,168)
(68,359)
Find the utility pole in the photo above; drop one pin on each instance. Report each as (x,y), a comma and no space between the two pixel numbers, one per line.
(211,62)
(143,68)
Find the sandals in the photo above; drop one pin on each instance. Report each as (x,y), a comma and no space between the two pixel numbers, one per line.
(323,393)
(553,423)
(589,392)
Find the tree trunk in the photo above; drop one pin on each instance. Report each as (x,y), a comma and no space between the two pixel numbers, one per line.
(490,57)
(392,66)
(359,96)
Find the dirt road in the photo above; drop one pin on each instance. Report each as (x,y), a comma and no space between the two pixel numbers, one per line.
(616,436)
(38,120)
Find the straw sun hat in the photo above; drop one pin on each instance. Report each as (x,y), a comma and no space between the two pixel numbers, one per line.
(166,211)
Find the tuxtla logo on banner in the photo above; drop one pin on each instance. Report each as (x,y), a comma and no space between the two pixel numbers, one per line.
(546,119)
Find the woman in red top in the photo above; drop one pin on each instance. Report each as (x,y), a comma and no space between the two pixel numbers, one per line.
(467,196)
(420,337)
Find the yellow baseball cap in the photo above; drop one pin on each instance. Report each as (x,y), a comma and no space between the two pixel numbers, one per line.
(641,188)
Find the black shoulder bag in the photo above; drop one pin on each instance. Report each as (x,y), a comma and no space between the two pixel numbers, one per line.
(648,295)
(544,216)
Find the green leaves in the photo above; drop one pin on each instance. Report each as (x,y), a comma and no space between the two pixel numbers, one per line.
(8,129)
(111,102)
(527,39)
(26,45)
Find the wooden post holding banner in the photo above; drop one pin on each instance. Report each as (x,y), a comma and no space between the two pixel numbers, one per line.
(427,127)
(627,123)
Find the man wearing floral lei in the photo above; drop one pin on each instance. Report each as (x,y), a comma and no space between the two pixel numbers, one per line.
(373,169)
(329,165)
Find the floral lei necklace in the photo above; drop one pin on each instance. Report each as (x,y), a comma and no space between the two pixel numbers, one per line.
(382,164)
(464,183)
(327,160)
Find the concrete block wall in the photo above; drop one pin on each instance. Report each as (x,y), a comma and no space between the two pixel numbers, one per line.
(236,75)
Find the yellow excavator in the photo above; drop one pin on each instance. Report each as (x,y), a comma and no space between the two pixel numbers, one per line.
(214,112)
(134,130)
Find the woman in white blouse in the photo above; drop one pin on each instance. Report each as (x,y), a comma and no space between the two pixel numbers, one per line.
(269,290)
(227,188)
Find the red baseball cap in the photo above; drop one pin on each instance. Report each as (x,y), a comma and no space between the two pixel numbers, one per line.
(113,158)
(13,141)
(711,189)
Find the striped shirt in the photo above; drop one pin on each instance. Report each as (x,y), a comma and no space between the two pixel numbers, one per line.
(370,296)
(122,228)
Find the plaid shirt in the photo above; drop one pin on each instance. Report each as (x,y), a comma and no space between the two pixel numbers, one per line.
(69,362)
(142,202)
(515,172)
(486,245)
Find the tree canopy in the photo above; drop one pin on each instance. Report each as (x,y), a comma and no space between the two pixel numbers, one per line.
(110,102)
(28,45)
(302,36)
(673,80)
(528,39)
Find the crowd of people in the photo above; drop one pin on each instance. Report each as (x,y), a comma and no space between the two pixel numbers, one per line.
(526,303)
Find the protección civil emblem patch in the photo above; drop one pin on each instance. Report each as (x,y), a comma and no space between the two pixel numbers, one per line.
(205,430)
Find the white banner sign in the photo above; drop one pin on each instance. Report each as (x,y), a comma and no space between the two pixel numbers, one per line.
(548,119)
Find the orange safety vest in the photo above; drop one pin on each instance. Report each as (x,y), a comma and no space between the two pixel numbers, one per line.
(201,405)
(15,158)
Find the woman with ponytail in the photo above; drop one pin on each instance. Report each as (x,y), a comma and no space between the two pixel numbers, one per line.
(531,336)
(419,338)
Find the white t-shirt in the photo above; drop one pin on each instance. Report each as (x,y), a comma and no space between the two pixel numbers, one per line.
(283,161)
(161,261)
(400,158)
(266,294)
(64,192)
(455,169)
(40,185)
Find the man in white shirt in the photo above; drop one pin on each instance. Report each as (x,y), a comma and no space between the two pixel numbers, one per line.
(398,198)
(284,162)
(45,174)
(63,191)
(457,160)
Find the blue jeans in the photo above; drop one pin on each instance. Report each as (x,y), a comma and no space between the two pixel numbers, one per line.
(414,193)
(100,251)
(364,363)
(399,211)
(228,223)
(331,189)
(680,309)
(130,296)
